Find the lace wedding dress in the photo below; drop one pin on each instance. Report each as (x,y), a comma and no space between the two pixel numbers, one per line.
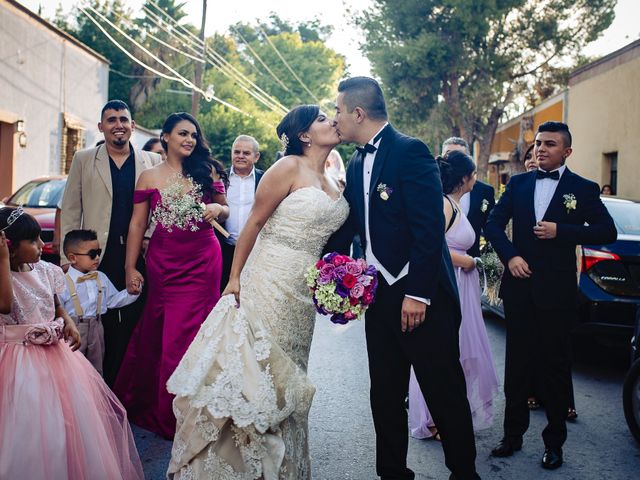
(242,393)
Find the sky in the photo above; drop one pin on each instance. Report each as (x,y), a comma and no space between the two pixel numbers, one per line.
(346,38)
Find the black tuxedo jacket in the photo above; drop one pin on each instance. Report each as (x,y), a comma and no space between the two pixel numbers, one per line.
(481,195)
(409,225)
(552,284)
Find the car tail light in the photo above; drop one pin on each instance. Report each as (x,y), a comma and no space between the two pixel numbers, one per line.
(590,257)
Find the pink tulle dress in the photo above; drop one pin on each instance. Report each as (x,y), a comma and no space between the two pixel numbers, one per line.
(183,285)
(58,419)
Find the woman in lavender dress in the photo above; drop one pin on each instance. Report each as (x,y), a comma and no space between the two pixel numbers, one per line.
(458,176)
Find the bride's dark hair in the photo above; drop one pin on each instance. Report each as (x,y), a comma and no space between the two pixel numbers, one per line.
(294,123)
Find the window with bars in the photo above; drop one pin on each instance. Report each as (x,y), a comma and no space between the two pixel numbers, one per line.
(73,139)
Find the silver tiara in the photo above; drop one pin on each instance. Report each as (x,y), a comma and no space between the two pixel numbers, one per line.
(284,141)
(12,218)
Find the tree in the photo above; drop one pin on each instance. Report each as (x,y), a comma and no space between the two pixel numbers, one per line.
(81,27)
(454,66)
(302,47)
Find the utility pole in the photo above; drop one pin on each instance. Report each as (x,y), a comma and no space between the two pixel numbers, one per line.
(195,98)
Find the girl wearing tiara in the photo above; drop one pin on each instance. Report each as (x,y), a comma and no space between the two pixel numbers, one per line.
(58,419)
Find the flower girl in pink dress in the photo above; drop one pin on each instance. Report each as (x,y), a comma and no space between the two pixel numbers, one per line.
(58,419)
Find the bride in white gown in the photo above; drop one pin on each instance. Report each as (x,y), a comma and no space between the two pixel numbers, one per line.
(242,393)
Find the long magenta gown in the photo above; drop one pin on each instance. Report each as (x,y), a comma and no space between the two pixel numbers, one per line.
(183,280)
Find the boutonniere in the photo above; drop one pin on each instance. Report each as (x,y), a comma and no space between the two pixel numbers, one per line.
(384,191)
(485,205)
(570,202)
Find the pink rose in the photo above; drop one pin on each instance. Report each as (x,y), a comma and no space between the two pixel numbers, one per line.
(357,290)
(349,316)
(353,268)
(339,260)
(41,335)
(326,271)
(320,263)
(365,280)
(367,298)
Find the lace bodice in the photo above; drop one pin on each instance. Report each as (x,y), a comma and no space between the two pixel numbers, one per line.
(33,294)
(305,220)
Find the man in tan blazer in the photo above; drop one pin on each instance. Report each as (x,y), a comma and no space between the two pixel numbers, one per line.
(99,196)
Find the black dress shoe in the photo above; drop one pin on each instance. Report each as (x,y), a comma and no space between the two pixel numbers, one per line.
(507,446)
(552,458)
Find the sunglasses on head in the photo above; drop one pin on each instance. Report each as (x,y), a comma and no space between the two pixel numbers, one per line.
(92,254)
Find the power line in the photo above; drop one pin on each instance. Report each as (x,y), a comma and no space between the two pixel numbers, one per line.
(221,64)
(179,77)
(287,65)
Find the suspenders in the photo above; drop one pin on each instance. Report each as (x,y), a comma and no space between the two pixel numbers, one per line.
(76,300)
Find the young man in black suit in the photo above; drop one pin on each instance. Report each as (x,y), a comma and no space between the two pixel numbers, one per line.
(478,203)
(553,210)
(395,194)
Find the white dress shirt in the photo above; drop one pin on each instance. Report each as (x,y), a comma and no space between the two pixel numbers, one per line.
(543,193)
(240,197)
(367,166)
(465,203)
(87,292)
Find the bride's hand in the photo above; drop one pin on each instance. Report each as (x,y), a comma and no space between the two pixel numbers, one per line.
(233,287)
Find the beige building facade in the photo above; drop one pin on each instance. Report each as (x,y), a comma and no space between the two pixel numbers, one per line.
(52,88)
(604,116)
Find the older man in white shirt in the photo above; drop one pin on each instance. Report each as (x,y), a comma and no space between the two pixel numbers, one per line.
(243,181)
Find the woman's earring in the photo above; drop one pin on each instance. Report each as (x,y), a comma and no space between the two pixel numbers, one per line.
(309,144)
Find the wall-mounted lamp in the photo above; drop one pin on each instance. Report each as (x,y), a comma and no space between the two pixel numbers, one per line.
(22,140)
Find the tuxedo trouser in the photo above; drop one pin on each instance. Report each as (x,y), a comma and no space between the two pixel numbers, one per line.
(118,323)
(538,356)
(433,350)
(227,260)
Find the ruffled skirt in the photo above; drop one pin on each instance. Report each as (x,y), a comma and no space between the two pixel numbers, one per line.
(59,420)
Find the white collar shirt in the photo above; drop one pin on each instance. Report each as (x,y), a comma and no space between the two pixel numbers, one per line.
(367,166)
(240,197)
(543,193)
(87,292)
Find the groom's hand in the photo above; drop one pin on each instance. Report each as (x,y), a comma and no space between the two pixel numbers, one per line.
(413,314)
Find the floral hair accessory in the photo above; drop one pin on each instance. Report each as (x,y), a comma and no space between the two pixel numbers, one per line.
(17,213)
(485,205)
(384,191)
(570,202)
(284,141)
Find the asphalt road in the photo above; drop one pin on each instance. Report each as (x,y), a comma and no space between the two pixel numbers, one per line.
(342,437)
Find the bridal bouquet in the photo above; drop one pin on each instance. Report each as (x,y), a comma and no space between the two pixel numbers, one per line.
(178,208)
(342,287)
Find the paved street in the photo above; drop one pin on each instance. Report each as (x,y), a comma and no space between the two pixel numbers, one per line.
(342,438)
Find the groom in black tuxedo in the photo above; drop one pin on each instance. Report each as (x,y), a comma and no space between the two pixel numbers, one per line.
(553,210)
(395,195)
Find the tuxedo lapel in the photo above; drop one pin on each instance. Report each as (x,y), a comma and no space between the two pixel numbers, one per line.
(529,194)
(103,168)
(556,205)
(381,156)
(359,187)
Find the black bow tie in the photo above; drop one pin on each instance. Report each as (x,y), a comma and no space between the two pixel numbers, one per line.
(368,148)
(555,175)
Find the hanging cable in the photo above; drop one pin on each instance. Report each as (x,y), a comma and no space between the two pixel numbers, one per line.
(287,65)
(178,77)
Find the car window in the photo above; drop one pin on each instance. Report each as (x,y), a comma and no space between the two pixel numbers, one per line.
(45,194)
(626,217)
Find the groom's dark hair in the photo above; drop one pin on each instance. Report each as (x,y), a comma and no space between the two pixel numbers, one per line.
(364,92)
(559,127)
